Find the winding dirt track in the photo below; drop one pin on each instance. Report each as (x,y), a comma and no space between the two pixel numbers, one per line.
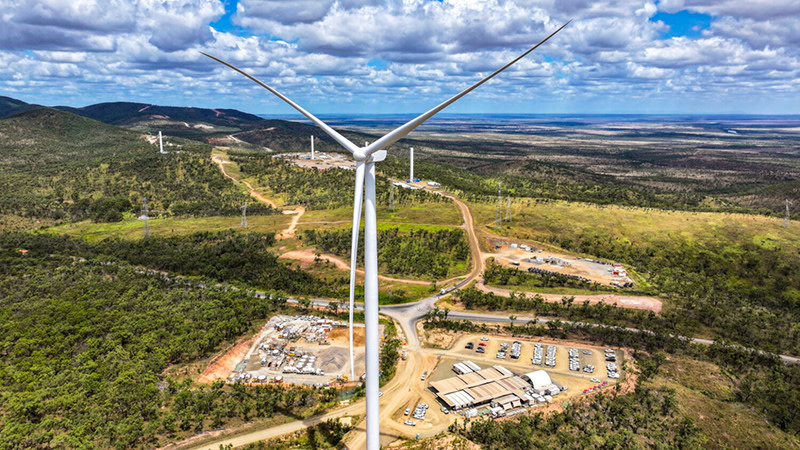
(288,233)
(297,212)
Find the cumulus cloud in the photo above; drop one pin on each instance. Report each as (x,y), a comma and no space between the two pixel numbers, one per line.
(335,52)
(303,11)
(735,8)
(177,24)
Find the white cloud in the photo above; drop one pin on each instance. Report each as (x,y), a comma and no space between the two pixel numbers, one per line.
(752,9)
(320,51)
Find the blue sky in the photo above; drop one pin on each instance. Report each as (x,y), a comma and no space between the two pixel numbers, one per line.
(404,56)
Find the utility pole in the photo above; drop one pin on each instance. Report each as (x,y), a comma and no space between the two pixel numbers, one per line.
(499,213)
(146,214)
(391,198)
(786,220)
(244,215)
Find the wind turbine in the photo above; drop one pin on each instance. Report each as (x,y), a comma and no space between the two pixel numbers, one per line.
(365,158)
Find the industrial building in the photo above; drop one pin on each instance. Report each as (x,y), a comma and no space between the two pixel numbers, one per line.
(495,385)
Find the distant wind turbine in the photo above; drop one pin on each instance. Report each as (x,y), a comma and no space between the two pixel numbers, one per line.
(365,158)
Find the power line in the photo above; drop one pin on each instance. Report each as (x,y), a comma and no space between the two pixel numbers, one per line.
(391,198)
(499,213)
(788,215)
(244,215)
(146,214)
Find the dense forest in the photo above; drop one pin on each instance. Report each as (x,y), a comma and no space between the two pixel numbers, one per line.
(645,418)
(421,253)
(226,256)
(84,345)
(56,167)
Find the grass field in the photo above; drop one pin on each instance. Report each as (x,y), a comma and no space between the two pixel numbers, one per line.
(446,214)
(540,221)
(132,228)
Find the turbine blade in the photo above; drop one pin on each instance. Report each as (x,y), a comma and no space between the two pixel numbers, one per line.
(358,200)
(343,141)
(408,127)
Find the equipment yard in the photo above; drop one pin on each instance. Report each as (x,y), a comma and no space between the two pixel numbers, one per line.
(320,161)
(532,259)
(301,350)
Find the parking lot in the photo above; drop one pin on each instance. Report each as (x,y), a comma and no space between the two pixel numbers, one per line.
(576,381)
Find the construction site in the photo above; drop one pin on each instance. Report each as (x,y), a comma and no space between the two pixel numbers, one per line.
(533,259)
(301,350)
(319,160)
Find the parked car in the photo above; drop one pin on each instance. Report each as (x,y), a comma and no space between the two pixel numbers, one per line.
(470,345)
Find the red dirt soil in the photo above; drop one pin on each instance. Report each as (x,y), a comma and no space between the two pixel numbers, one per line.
(225,364)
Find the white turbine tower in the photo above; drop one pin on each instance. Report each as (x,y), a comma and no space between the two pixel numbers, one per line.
(365,158)
(411,165)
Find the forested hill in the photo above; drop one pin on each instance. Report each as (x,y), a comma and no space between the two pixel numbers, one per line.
(56,166)
(127,113)
(213,125)
(10,106)
(283,135)
(208,125)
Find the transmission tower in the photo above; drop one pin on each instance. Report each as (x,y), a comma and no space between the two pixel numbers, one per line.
(146,214)
(244,215)
(499,214)
(508,209)
(786,220)
(391,198)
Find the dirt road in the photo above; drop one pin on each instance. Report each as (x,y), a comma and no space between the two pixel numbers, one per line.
(288,233)
(298,211)
(623,301)
(221,161)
